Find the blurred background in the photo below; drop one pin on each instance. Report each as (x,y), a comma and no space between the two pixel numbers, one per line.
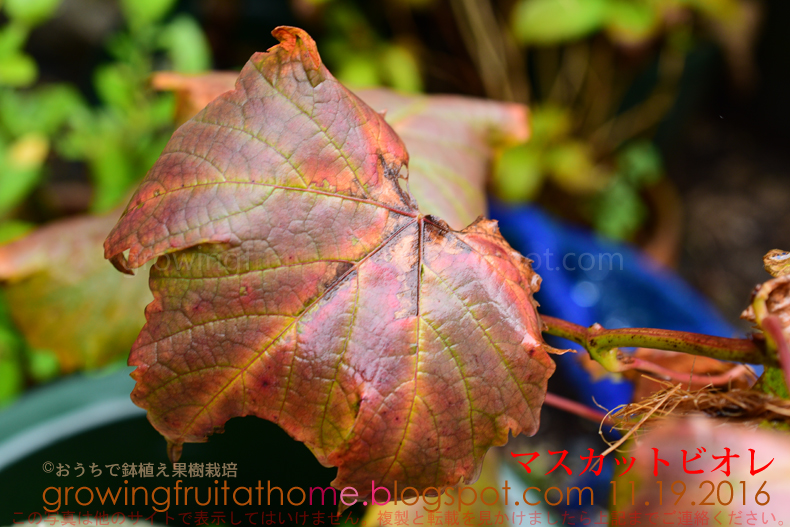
(661,123)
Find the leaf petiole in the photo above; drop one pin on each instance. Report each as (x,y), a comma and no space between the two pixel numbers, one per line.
(602,343)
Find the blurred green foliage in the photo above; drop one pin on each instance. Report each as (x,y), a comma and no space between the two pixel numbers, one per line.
(11,346)
(594,108)
(116,140)
(363,58)
(619,210)
(551,22)
(556,22)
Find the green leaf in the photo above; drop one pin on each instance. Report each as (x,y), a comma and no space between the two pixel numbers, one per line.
(15,185)
(632,22)
(119,146)
(772,382)
(12,37)
(641,163)
(43,365)
(401,69)
(11,369)
(550,22)
(31,12)
(359,71)
(518,174)
(20,168)
(619,211)
(111,171)
(573,168)
(11,230)
(11,376)
(549,123)
(116,86)
(17,70)
(43,109)
(141,13)
(186,45)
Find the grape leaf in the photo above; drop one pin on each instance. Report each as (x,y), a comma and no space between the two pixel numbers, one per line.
(451,139)
(65,298)
(193,91)
(296,280)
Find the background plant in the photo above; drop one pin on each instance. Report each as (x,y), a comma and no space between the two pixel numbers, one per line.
(46,127)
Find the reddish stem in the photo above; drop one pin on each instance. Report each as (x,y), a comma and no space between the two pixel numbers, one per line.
(773,326)
(635,363)
(576,408)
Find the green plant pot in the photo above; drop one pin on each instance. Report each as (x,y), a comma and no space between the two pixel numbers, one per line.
(90,420)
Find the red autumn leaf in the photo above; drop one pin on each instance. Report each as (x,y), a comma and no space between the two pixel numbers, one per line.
(66,299)
(450,139)
(193,91)
(297,281)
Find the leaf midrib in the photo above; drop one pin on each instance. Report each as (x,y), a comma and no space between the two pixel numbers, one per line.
(306,310)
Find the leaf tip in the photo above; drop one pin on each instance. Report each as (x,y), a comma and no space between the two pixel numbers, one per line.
(556,351)
(174,451)
(484,225)
(294,40)
(118,260)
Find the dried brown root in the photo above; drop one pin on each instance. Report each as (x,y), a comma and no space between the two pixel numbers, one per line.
(744,406)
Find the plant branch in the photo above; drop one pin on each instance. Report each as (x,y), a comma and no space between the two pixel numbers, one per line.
(602,343)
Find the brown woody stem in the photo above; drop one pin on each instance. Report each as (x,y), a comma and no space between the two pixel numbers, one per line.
(602,343)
